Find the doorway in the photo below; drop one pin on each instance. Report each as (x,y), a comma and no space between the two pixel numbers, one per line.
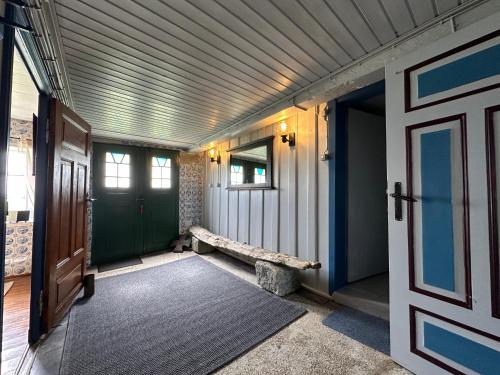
(361,218)
(136,208)
(19,221)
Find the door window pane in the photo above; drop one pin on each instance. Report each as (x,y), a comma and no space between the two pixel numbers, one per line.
(161,172)
(260,176)
(117,170)
(236,174)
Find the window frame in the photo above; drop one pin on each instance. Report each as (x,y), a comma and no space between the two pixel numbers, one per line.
(268,142)
(104,175)
(161,179)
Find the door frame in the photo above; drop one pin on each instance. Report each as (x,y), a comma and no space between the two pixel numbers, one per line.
(25,44)
(337,178)
(6,74)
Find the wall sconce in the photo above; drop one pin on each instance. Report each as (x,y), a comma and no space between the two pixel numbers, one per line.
(214,155)
(290,138)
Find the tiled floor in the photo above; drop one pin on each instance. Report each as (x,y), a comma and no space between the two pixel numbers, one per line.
(304,347)
(15,323)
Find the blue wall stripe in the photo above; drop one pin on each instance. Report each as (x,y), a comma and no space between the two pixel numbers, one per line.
(479,65)
(437,211)
(468,353)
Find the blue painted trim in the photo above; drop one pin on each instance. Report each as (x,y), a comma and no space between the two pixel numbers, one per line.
(437,211)
(39,225)
(337,179)
(338,196)
(5,101)
(472,68)
(332,108)
(468,353)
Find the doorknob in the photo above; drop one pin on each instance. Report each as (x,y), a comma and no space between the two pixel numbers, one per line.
(90,199)
(398,198)
(141,206)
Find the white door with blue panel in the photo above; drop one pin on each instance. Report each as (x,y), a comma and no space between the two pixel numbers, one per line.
(443,149)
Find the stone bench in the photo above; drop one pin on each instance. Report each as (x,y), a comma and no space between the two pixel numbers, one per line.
(277,273)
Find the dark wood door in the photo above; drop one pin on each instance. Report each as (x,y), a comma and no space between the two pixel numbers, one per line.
(117,187)
(161,194)
(66,241)
(136,212)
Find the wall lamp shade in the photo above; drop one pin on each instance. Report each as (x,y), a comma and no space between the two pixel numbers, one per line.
(290,137)
(214,155)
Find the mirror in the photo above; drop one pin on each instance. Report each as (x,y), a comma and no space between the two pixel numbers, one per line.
(250,166)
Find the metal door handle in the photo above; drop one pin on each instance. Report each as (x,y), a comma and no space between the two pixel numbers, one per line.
(89,199)
(398,198)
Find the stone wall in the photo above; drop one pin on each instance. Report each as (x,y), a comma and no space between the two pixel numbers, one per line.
(192,175)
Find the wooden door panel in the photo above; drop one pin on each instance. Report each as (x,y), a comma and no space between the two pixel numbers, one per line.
(74,136)
(81,209)
(161,212)
(441,309)
(116,215)
(64,197)
(66,241)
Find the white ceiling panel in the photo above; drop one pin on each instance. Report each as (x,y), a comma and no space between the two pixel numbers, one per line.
(178,71)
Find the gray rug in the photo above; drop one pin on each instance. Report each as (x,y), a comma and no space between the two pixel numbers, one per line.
(184,317)
(365,328)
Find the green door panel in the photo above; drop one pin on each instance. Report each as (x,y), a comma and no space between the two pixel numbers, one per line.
(161,211)
(136,220)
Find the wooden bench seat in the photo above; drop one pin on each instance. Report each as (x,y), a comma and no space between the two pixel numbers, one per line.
(276,272)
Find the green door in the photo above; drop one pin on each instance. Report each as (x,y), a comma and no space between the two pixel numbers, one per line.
(161,197)
(136,211)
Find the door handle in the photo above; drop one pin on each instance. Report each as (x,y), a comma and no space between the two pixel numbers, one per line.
(90,199)
(398,199)
(141,205)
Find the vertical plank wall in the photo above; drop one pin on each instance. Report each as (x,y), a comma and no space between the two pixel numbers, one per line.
(293,217)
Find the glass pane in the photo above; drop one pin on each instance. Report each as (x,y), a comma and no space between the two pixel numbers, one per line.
(156,172)
(156,183)
(165,172)
(123,170)
(126,159)
(155,162)
(169,162)
(165,183)
(111,169)
(118,157)
(111,182)
(109,158)
(123,182)
(161,161)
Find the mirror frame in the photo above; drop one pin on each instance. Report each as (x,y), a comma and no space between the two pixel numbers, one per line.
(268,142)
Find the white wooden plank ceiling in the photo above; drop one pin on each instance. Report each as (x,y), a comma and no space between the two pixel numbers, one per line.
(178,71)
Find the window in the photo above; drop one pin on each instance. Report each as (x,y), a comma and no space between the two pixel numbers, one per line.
(117,171)
(236,174)
(161,173)
(260,176)
(17,172)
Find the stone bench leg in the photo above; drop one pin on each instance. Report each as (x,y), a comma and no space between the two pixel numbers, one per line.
(277,279)
(201,247)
